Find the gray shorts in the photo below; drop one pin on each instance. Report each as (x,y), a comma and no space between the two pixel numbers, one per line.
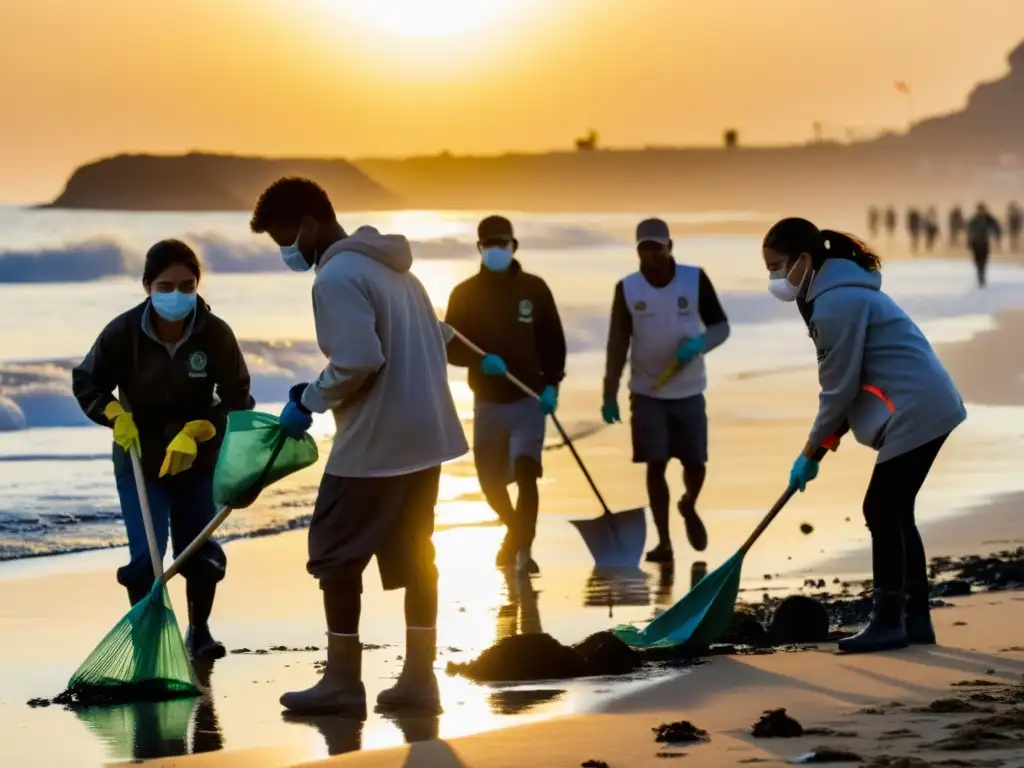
(356,518)
(504,432)
(669,429)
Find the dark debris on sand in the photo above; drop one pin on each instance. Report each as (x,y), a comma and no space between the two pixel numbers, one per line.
(681,732)
(806,529)
(273,649)
(951,707)
(521,658)
(594,764)
(605,654)
(82,695)
(776,724)
(832,732)
(970,738)
(1004,570)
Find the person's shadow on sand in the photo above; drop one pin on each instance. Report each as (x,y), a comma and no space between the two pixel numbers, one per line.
(435,754)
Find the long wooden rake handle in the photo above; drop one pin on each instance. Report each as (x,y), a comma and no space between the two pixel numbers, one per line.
(783,500)
(211,527)
(147,515)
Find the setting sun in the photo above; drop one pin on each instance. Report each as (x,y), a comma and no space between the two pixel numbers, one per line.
(420,18)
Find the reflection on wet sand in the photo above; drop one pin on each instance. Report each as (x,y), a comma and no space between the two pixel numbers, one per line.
(340,735)
(147,730)
(519,615)
(616,586)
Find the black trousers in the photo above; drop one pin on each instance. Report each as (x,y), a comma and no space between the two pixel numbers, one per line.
(980,254)
(897,551)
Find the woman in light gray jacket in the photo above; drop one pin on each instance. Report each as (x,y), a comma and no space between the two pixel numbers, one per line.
(880,379)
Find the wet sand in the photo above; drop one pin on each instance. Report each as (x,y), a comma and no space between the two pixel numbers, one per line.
(53,611)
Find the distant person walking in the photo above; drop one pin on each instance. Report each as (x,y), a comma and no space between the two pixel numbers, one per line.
(931,229)
(1014,224)
(874,218)
(512,315)
(890,222)
(957,224)
(980,230)
(914,222)
(665,314)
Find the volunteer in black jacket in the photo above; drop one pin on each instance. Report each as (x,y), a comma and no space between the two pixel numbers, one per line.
(512,315)
(167,358)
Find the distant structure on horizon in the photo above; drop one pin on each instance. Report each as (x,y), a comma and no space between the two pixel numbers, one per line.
(731,138)
(587,143)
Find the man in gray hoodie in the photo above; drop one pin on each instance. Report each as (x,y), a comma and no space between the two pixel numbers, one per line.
(386,383)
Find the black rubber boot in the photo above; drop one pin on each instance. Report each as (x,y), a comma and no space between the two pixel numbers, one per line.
(416,688)
(340,691)
(885,631)
(696,533)
(919,616)
(199,641)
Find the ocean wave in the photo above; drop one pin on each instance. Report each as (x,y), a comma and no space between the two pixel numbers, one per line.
(106,256)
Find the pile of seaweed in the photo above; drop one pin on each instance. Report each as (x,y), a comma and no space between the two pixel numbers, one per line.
(1003,570)
(541,657)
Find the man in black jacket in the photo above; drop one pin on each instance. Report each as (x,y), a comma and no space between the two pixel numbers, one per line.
(512,315)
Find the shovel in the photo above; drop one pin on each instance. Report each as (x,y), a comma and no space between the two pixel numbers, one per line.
(704,613)
(614,540)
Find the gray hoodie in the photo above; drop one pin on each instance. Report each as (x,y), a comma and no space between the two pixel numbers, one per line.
(876,369)
(386,378)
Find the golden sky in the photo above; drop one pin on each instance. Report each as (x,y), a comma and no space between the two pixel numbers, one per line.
(81,79)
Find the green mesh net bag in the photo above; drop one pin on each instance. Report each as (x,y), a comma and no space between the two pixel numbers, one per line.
(256,454)
(143,658)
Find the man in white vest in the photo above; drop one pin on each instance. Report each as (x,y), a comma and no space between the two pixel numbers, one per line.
(665,317)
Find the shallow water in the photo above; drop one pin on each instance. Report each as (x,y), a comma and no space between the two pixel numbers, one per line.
(64,274)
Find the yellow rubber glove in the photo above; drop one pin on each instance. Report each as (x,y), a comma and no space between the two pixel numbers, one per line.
(184,447)
(126,434)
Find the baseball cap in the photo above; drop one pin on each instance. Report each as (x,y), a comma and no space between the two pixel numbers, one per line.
(653,231)
(494,227)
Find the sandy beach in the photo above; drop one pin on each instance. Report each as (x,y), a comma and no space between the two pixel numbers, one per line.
(268,608)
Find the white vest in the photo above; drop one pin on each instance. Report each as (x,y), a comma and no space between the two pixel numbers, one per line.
(663,318)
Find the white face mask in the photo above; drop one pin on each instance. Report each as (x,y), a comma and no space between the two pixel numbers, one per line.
(780,287)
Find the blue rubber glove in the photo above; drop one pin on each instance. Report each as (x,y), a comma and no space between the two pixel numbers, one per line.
(691,348)
(549,400)
(492,365)
(610,412)
(804,470)
(295,417)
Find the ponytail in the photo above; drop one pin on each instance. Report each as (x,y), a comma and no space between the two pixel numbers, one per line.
(793,237)
(840,245)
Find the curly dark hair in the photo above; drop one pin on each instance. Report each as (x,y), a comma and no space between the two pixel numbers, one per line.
(795,236)
(287,200)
